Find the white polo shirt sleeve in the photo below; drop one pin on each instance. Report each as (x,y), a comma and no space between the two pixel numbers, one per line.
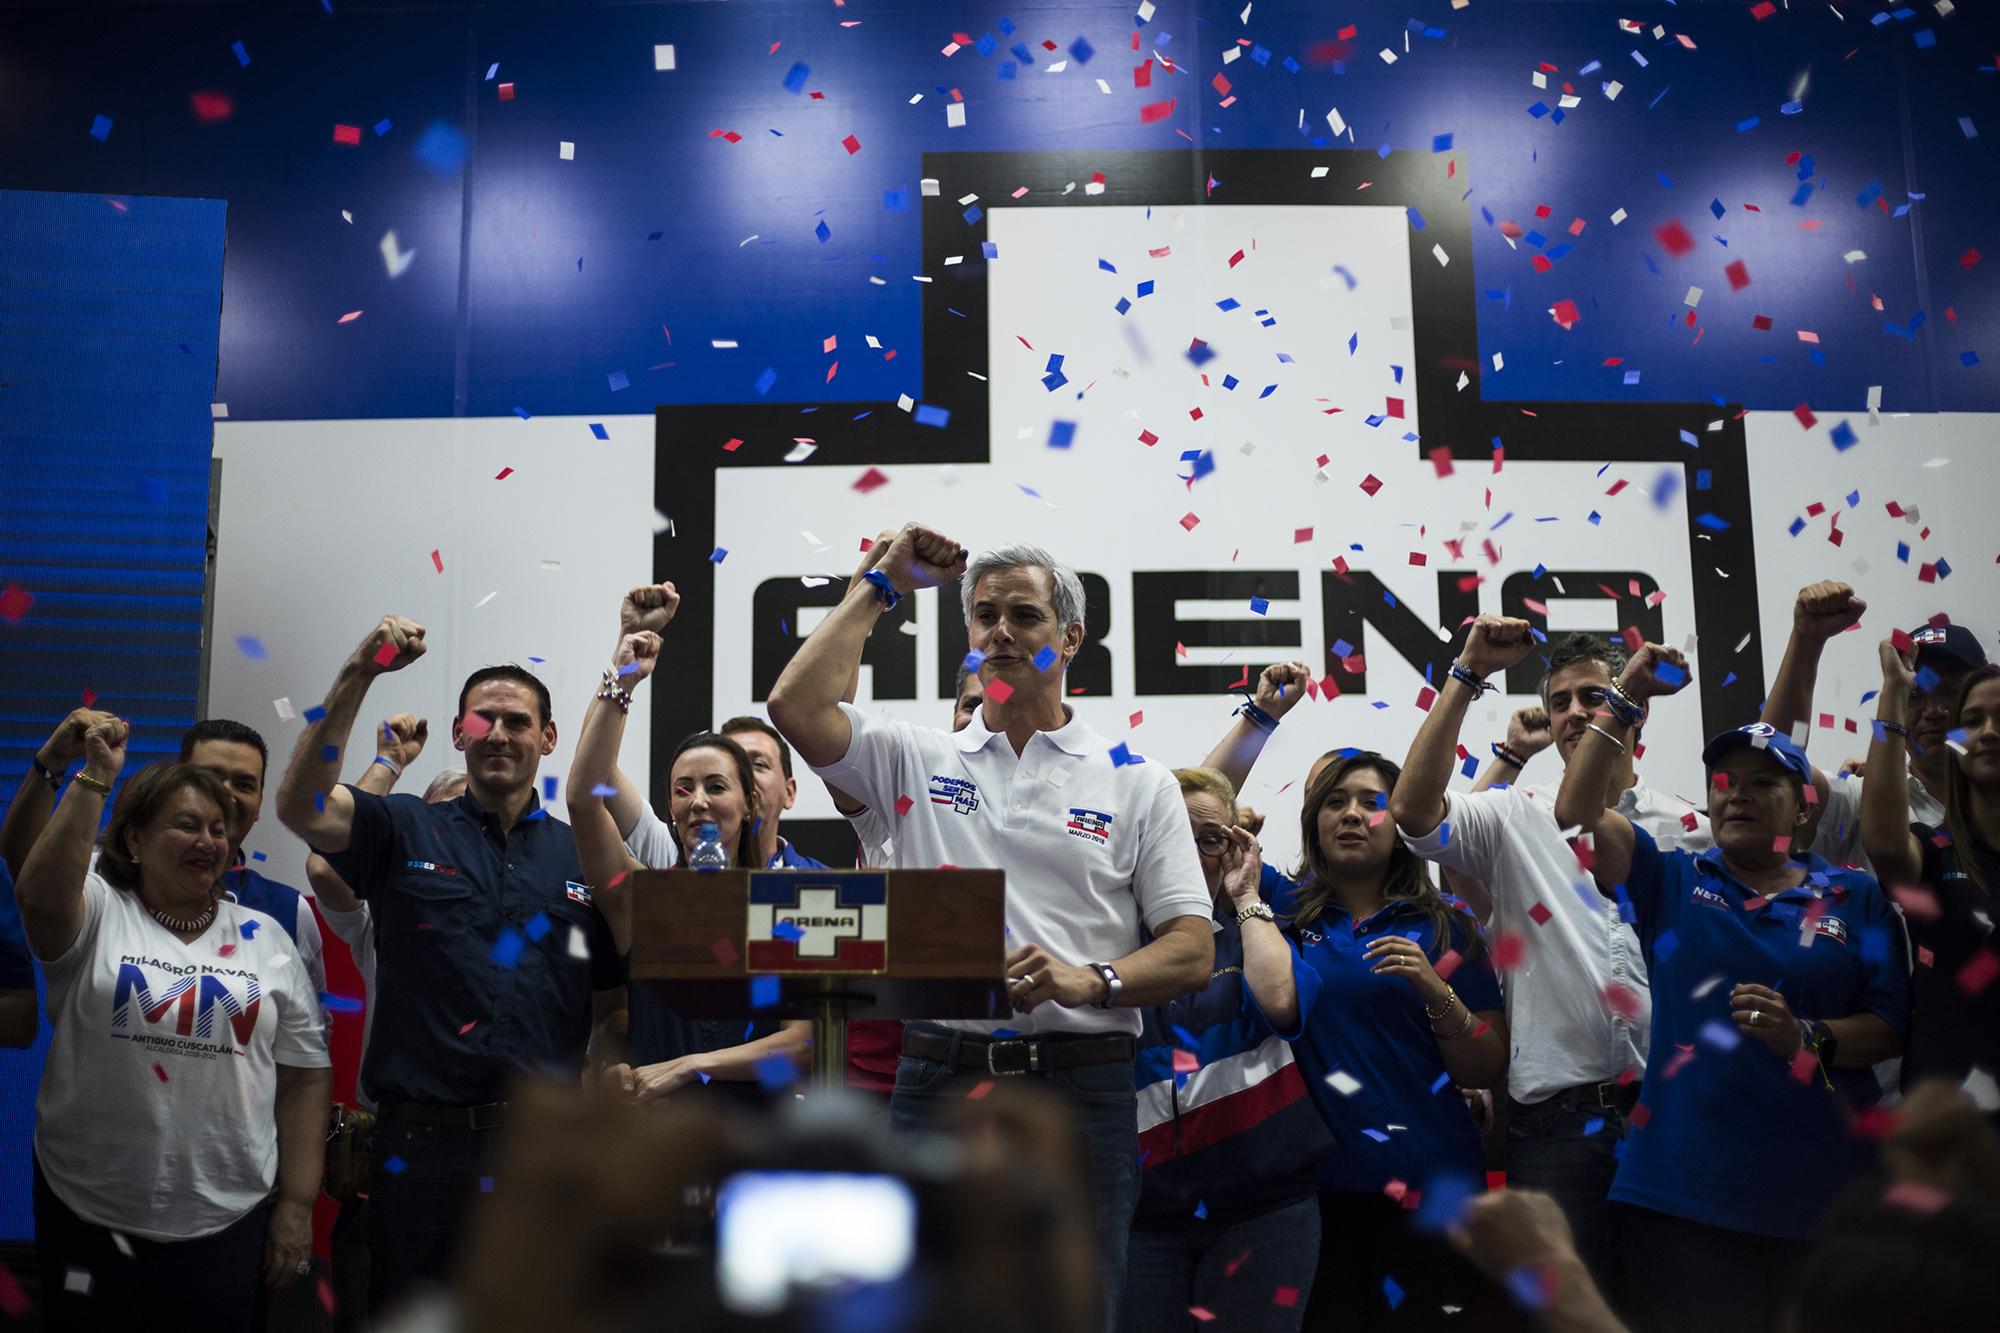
(881,756)
(1469,837)
(1167,881)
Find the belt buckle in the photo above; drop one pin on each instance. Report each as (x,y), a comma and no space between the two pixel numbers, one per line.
(1034,1057)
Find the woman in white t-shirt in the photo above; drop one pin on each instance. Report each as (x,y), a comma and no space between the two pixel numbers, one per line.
(188,1075)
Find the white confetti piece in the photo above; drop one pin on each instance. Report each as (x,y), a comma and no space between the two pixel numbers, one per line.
(954,115)
(1693,298)
(801,452)
(1343,1082)
(907,403)
(552,566)
(1499,362)
(814,581)
(1705,987)
(927,187)
(77,1281)
(1443,259)
(285,710)
(663,55)
(566,151)
(487,598)
(1334,122)
(579,943)
(1618,217)
(722,344)
(218,411)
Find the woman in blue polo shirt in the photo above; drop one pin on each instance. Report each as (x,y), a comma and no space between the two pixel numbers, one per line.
(1408,1011)
(1777,983)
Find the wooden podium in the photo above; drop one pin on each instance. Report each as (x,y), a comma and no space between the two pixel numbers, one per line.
(829,945)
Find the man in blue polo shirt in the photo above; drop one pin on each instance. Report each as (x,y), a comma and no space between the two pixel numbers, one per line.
(490,958)
(1778,981)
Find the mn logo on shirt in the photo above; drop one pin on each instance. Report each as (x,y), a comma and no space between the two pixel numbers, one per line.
(1092,824)
(194,997)
(961,794)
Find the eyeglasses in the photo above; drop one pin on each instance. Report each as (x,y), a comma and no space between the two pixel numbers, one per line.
(1211,844)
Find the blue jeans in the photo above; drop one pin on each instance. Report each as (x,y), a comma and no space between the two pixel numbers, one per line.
(1107,1113)
(1231,1268)
(1548,1150)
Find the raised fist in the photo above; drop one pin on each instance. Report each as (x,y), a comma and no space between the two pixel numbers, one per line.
(1824,609)
(1899,672)
(1281,685)
(920,557)
(391,645)
(65,744)
(1655,670)
(637,655)
(400,739)
(872,556)
(1495,643)
(104,746)
(650,607)
(1528,732)
(1512,1229)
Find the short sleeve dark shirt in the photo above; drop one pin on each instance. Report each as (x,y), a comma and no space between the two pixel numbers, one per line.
(1955,989)
(487,947)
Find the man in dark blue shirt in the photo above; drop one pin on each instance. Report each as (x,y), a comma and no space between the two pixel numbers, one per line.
(490,958)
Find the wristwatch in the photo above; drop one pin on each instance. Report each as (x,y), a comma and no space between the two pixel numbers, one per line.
(1825,1044)
(1112,985)
(1256,909)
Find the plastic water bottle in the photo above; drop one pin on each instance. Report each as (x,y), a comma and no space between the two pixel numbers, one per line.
(708,853)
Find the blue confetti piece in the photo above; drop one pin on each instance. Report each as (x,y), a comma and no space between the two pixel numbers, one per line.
(1722,1036)
(523,413)
(618,380)
(973,660)
(249,929)
(250,647)
(989,249)
(395,1166)
(1446,1197)
(1441,1082)
(1121,755)
(1259,606)
(1968,359)
(1376,1135)
(1798,526)
(1081,51)
(1670,674)
(1416,218)
(1843,437)
(987,44)
(1046,658)
(538,924)
(242,54)
(1061,434)
(1392,1292)
(929,415)
(1665,944)
(788,930)
(319,802)
(329,753)
(100,128)
(257,856)
(1925,39)
(972,215)
(507,949)
(1745,126)
(1713,522)
(1228,303)
(1144,289)
(340,1004)
(1926,679)
(440,148)
(1122,306)
(1440,143)
(795,78)
(824,232)
(1107,266)
(763,992)
(766,380)
(597,429)
(314,714)
(1525,1286)
(776,1071)
(718,555)
(382,127)
(1006,26)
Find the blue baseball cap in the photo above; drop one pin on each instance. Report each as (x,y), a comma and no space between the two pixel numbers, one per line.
(1766,738)
(1948,646)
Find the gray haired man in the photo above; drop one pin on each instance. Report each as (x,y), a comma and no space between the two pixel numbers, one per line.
(1107,909)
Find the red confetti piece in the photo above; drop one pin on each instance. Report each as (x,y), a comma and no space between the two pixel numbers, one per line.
(1236,258)
(1673,238)
(999,691)
(1419,559)
(13,1301)
(1805,415)
(14,603)
(437,560)
(506,92)
(871,480)
(1622,1000)
(1371,484)
(728,136)
(1194,414)
(505,473)
(1738,274)
(1186,1062)
(1641,1113)
(326,1300)
(1148,439)
(1149,114)
(731,446)
(1135,719)
(979,1089)
(1189,519)
(1762,10)
(1394,407)
(851,144)
(1805,1064)
(1761,322)
(212,108)
(161,1073)
(724,951)
(903,804)
(1447,964)
(1968,259)
(1978,972)
(1566,313)
(1426,697)
(1286,1297)
(1204,1316)
(1509,949)
(387,654)
(1539,914)
(225,951)
(468,1027)
(349,134)
(349,317)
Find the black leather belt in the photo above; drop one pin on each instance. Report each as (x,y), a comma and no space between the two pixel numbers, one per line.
(1601,1096)
(1016,1055)
(490,1116)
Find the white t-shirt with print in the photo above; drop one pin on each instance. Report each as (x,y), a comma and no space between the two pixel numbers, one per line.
(1092,850)
(157,1108)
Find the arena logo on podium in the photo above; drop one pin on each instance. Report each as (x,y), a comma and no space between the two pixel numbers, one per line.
(818,923)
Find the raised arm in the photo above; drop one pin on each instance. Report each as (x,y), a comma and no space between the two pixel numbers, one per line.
(311,801)
(49,891)
(847,805)
(398,742)
(805,703)
(1820,611)
(1279,688)
(1493,644)
(1528,734)
(1654,670)
(35,798)
(647,608)
(1885,795)
(599,845)
(1267,958)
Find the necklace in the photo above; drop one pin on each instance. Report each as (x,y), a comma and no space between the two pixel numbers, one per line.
(189,924)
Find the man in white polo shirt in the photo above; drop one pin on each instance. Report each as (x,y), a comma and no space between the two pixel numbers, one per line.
(1579,1003)
(1095,844)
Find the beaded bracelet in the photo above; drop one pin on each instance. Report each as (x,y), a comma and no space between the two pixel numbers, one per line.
(1464,675)
(1623,706)
(613,692)
(1507,756)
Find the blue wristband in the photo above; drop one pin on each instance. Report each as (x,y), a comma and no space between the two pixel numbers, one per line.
(885,591)
(1478,684)
(1257,716)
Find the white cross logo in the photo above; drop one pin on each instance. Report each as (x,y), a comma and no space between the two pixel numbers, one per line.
(822,922)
